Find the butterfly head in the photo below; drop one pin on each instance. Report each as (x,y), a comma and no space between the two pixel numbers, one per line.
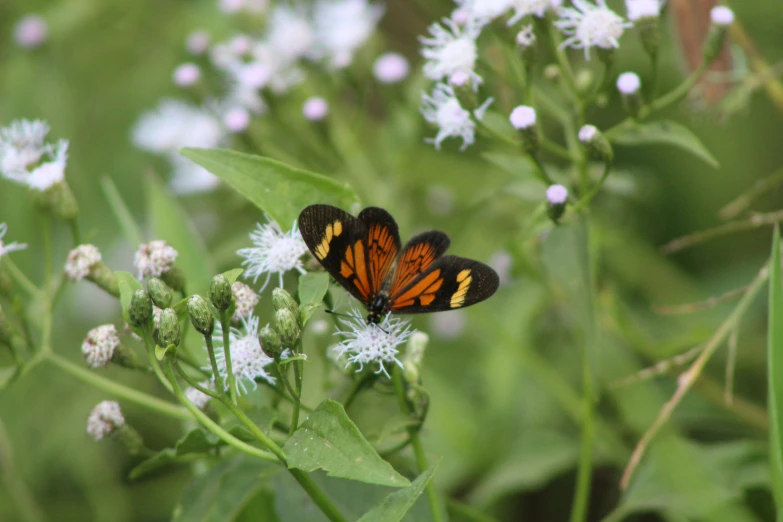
(377,308)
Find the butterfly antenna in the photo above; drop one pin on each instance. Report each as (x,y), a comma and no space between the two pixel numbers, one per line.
(340,314)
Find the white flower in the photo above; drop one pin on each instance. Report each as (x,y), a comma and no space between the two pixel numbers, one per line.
(556,194)
(10,247)
(197,43)
(197,397)
(284,73)
(444,110)
(315,109)
(290,32)
(248,360)
(81,260)
(104,419)
(523,117)
(341,28)
(628,83)
(523,8)
(483,11)
(390,68)
(175,124)
(22,145)
(154,258)
(591,25)
(190,178)
(587,133)
(451,49)
(98,347)
(372,343)
(274,252)
(31,31)
(186,75)
(236,119)
(722,15)
(246,300)
(50,172)
(638,9)
(526,37)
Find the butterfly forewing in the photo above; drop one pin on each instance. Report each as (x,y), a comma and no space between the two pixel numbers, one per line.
(450,282)
(419,253)
(382,245)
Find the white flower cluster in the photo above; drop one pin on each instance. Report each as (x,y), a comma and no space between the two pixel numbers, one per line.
(99,345)
(81,260)
(246,300)
(197,397)
(25,157)
(370,343)
(10,247)
(273,252)
(104,419)
(154,258)
(248,360)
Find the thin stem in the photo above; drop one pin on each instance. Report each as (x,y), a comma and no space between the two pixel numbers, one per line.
(150,346)
(194,384)
(596,188)
(676,94)
(117,389)
(21,279)
(211,351)
(262,437)
(564,65)
(74,225)
(556,149)
(46,232)
(226,327)
(464,511)
(543,176)
(754,221)
(418,449)
(654,76)
(298,371)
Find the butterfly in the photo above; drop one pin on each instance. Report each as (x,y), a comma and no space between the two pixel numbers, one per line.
(365,256)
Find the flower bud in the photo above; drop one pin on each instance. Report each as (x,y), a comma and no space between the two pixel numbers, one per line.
(200,315)
(169,331)
(105,419)
(629,86)
(287,325)
(220,292)
(523,118)
(160,293)
(414,353)
(59,199)
(557,198)
(175,278)
(526,43)
(721,17)
(598,147)
(282,299)
(461,82)
(271,343)
(140,311)
(649,33)
(104,277)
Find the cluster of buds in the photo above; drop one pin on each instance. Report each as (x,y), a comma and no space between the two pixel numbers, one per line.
(288,325)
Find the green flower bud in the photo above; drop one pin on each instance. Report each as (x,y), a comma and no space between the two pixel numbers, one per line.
(132,441)
(200,315)
(596,144)
(722,17)
(169,331)
(557,199)
(126,357)
(58,199)
(270,342)
(140,311)
(282,299)
(160,293)
(630,85)
(649,33)
(220,292)
(462,84)
(523,118)
(287,325)
(414,353)
(175,278)
(104,277)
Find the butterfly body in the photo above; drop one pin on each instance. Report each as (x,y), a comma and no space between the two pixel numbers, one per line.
(364,254)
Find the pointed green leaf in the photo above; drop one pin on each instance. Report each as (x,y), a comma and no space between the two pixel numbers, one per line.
(170,223)
(127,284)
(663,132)
(194,441)
(394,507)
(775,375)
(278,189)
(160,352)
(233,275)
(329,440)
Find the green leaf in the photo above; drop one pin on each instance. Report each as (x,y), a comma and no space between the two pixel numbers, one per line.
(233,275)
(329,440)
(8,376)
(394,507)
(127,284)
(195,441)
(313,287)
(160,352)
(663,132)
(516,164)
(121,212)
(278,189)
(170,223)
(499,124)
(775,373)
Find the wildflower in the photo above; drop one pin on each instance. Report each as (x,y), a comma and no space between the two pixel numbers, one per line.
(451,49)
(31,32)
(10,247)
(274,251)
(596,144)
(587,133)
(523,8)
(253,75)
(591,25)
(641,9)
(315,109)
(556,194)
(248,360)
(48,173)
(197,397)
(22,146)
(629,83)
(99,345)
(341,27)
(186,75)
(291,33)
(175,124)
(444,110)
(197,43)
(526,37)
(105,419)
(523,117)
(722,15)
(483,11)
(246,300)
(372,343)
(390,68)
(81,260)
(236,119)
(154,258)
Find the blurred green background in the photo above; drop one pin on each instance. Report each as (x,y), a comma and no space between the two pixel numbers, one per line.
(505,390)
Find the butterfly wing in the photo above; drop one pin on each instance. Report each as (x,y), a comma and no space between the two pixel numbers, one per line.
(419,253)
(448,283)
(382,245)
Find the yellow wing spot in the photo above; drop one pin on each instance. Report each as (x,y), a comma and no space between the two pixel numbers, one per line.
(464,279)
(337,228)
(332,230)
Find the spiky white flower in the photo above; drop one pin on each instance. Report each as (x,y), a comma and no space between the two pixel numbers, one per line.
(451,49)
(390,68)
(365,343)
(31,32)
(591,25)
(98,347)
(48,173)
(639,9)
(154,258)
(248,360)
(246,300)
(197,397)
(81,260)
(104,419)
(284,72)
(483,11)
(523,8)
(556,194)
(342,27)
(274,252)
(10,247)
(443,109)
(174,124)
(22,146)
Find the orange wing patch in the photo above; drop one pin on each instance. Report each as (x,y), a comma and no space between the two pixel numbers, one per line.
(381,253)
(353,264)
(412,263)
(423,290)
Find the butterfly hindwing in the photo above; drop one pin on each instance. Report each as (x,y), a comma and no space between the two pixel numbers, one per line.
(449,283)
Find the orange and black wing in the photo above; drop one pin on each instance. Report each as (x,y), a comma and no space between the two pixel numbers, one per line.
(450,282)
(382,244)
(417,256)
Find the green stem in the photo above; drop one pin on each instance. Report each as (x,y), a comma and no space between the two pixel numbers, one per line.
(46,232)
(119,390)
(211,351)
(298,371)
(543,176)
(565,67)
(676,94)
(226,327)
(596,188)
(463,511)
(418,448)
(21,279)
(262,437)
(556,149)
(74,224)
(193,383)
(150,346)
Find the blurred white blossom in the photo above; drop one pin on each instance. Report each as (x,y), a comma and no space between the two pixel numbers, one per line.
(154,258)
(104,419)
(589,25)
(9,247)
(273,252)
(81,260)
(99,345)
(443,109)
(451,49)
(31,31)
